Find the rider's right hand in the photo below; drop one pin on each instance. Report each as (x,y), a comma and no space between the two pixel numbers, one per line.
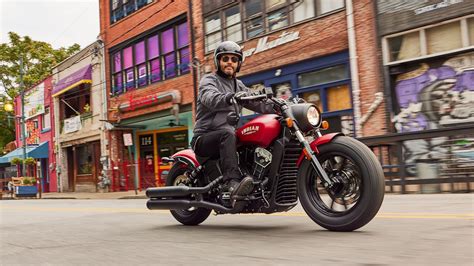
(241,94)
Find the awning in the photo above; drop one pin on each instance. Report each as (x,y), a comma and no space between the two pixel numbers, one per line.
(83,75)
(35,151)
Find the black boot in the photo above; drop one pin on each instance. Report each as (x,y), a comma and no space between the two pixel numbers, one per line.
(240,188)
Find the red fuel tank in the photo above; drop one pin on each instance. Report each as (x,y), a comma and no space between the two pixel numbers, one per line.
(260,131)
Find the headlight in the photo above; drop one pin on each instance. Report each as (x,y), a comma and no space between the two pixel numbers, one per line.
(314,116)
(307,116)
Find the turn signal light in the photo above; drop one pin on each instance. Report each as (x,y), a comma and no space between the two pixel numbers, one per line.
(324,125)
(289,122)
(306,153)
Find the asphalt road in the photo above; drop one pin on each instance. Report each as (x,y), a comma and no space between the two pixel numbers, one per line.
(409,229)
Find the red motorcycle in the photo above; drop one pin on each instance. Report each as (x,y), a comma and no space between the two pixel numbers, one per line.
(337,179)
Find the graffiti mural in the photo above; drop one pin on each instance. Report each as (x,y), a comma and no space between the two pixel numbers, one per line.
(431,97)
(435,97)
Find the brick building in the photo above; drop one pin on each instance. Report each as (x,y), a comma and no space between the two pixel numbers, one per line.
(428,68)
(303,48)
(150,84)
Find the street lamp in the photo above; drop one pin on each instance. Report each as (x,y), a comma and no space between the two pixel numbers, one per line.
(8,107)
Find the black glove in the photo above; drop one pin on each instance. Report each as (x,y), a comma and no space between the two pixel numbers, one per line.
(241,94)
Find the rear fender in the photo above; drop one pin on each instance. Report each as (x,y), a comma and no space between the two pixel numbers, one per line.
(187,157)
(317,142)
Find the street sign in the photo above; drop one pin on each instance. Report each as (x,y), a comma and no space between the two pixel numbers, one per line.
(127,139)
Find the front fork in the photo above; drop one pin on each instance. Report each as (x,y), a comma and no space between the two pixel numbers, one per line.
(310,154)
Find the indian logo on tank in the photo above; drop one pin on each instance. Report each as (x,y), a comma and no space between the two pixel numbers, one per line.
(250,130)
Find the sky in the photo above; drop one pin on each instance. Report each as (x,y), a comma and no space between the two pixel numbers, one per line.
(58,22)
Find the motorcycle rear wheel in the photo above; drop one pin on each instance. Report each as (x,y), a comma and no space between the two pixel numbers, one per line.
(192,216)
(358,194)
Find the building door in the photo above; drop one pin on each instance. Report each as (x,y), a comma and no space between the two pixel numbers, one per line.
(147,161)
(168,144)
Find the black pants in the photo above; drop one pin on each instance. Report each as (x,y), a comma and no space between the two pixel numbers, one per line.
(219,144)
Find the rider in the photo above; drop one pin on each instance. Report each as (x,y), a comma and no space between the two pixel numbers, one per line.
(213,136)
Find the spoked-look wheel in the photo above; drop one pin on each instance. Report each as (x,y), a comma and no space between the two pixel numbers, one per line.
(192,216)
(357,191)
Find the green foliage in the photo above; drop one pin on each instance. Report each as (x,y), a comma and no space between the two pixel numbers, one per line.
(29,181)
(38,59)
(30,161)
(16,161)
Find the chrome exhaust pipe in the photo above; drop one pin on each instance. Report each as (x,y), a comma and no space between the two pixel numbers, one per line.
(180,191)
(182,204)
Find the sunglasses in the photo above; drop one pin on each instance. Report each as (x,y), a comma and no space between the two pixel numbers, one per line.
(226,59)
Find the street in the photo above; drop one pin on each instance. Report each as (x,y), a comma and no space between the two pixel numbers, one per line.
(434,229)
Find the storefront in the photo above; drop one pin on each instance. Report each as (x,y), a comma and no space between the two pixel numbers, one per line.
(79,114)
(152,137)
(324,81)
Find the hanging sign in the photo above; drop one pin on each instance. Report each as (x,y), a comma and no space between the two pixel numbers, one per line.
(127,139)
(72,124)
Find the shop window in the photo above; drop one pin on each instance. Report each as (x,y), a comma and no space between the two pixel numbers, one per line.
(470,25)
(405,46)
(326,75)
(313,97)
(75,102)
(282,90)
(122,8)
(444,38)
(46,119)
(338,98)
(84,160)
(161,55)
(253,88)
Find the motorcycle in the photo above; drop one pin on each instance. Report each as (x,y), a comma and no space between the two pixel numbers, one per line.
(337,179)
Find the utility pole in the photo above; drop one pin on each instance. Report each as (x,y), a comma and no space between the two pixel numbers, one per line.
(22,119)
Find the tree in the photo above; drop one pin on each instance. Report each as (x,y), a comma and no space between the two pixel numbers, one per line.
(38,60)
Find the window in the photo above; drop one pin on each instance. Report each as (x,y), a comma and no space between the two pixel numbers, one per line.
(444,38)
(75,102)
(313,97)
(122,8)
(46,119)
(84,159)
(470,25)
(339,98)
(405,46)
(326,75)
(224,22)
(161,55)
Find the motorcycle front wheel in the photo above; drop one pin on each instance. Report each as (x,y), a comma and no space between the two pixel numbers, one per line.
(193,216)
(357,191)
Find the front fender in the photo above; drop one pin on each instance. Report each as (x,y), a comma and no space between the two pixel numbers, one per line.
(317,142)
(186,156)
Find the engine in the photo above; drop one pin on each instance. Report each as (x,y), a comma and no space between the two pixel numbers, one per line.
(256,161)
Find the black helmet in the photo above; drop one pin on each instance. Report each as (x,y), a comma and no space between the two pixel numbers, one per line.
(228,47)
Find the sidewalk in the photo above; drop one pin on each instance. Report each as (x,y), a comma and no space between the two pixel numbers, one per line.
(98,195)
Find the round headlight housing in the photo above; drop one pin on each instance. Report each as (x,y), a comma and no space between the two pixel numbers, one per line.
(313,115)
(307,116)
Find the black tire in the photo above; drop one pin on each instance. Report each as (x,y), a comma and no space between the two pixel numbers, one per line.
(193,216)
(364,185)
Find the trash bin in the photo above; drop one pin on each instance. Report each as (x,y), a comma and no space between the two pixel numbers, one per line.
(428,169)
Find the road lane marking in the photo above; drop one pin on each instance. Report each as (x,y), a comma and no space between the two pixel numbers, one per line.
(387,215)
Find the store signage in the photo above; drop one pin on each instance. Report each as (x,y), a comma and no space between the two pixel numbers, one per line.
(72,124)
(264,45)
(136,103)
(34,101)
(432,7)
(127,139)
